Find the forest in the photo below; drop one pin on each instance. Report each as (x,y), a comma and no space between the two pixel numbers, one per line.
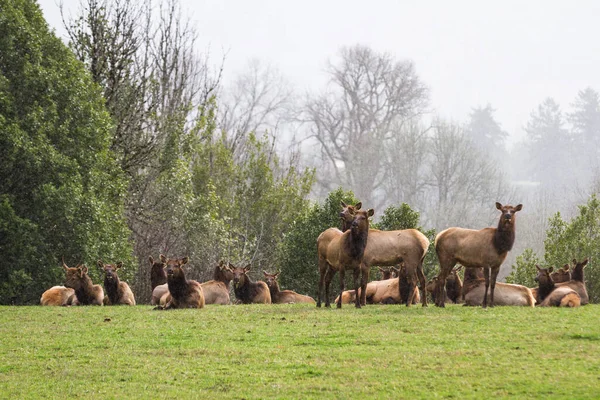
(125,142)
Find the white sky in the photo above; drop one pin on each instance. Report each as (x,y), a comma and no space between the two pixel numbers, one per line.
(512,54)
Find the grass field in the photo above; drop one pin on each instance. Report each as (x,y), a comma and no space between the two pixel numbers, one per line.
(298,351)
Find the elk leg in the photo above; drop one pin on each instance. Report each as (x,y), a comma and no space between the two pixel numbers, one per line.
(486,275)
(328,278)
(321,283)
(342,276)
(363,285)
(493,284)
(356,276)
(422,282)
(411,288)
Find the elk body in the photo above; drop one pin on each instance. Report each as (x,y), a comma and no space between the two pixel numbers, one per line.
(551,295)
(58,296)
(345,252)
(85,291)
(216,291)
(248,292)
(485,248)
(283,296)
(506,294)
(117,291)
(183,293)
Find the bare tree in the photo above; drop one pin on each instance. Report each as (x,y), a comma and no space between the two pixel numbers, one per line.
(353,120)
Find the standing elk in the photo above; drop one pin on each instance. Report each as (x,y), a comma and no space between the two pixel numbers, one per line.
(506,294)
(485,248)
(390,248)
(216,291)
(86,292)
(183,293)
(345,251)
(248,292)
(117,291)
(550,295)
(283,296)
(58,296)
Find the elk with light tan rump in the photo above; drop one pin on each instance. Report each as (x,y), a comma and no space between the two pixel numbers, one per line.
(283,296)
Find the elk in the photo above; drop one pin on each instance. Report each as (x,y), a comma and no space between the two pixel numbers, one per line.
(485,248)
(561,275)
(86,292)
(183,293)
(389,248)
(577,282)
(117,291)
(345,251)
(158,276)
(454,286)
(404,286)
(58,296)
(550,295)
(283,296)
(506,294)
(386,273)
(216,291)
(248,292)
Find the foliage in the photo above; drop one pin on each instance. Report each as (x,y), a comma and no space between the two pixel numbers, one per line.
(297,351)
(61,191)
(577,239)
(524,271)
(297,253)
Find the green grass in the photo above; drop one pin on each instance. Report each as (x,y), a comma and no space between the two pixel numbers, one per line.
(298,351)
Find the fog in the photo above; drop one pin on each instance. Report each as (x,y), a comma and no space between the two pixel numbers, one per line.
(526,72)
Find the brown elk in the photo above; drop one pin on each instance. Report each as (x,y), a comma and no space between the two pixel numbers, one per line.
(386,273)
(454,286)
(346,251)
(405,287)
(283,296)
(485,248)
(58,296)
(117,291)
(216,291)
(506,294)
(550,295)
(85,291)
(561,275)
(183,293)
(248,292)
(577,282)
(389,248)
(158,276)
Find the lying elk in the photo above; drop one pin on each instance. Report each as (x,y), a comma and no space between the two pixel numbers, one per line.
(216,291)
(390,248)
(506,294)
(485,248)
(248,292)
(58,296)
(562,274)
(342,252)
(405,289)
(183,293)
(86,292)
(454,287)
(283,296)
(117,291)
(577,282)
(549,294)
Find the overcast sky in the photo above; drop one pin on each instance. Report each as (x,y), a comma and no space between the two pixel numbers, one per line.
(512,54)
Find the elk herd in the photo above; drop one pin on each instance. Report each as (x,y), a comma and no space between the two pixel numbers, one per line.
(356,247)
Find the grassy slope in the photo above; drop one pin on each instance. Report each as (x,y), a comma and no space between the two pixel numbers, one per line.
(298,351)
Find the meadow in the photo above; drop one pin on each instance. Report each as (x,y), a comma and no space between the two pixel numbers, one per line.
(298,351)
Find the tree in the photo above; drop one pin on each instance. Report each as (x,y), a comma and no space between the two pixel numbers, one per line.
(61,191)
(353,120)
(462,179)
(585,123)
(486,133)
(549,145)
(523,271)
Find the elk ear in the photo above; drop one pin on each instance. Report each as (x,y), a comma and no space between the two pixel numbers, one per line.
(163,259)
(65,267)
(498,206)
(184,260)
(84,270)
(370,212)
(396,269)
(566,267)
(519,207)
(538,267)
(100,264)
(358,205)
(119,264)
(151,260)
(247,268)
(266,273)
(584,262)
(550,269)
(344,205)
